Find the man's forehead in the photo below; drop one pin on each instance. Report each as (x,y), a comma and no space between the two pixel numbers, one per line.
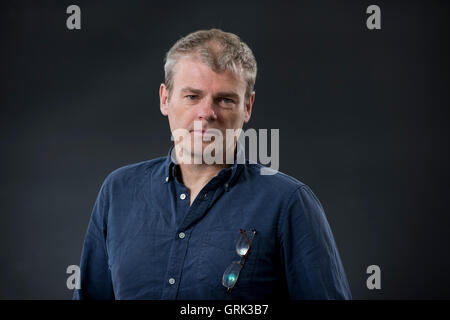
(193,73)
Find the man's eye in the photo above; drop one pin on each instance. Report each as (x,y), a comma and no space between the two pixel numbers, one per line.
(191,96)
(226,100)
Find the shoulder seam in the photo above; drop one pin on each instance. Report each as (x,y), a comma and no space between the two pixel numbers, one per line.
(284,209)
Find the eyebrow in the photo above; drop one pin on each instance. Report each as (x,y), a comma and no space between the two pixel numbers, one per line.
(230,94)
(189,89)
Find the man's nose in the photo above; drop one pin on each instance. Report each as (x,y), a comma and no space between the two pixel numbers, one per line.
(207,110)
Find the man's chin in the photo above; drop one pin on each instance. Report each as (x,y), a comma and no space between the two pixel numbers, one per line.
(198,154)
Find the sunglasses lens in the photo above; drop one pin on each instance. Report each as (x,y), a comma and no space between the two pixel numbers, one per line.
(231,274)
(243,243)
(231,279)
(241,248)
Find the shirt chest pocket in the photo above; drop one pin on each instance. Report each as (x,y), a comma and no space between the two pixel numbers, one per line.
(218,251)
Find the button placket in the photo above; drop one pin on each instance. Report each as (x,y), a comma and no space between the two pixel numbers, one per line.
(175,265)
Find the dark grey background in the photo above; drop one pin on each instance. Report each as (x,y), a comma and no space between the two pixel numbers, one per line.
(363,119)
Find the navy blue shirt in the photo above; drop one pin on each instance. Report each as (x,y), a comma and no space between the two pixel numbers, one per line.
(145,241)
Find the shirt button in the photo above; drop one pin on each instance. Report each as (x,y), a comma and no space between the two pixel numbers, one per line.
(181,235)
(167,179)
(182,196)
(225,185)
(171,280)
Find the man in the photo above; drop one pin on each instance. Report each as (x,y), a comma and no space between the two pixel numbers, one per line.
(178,228)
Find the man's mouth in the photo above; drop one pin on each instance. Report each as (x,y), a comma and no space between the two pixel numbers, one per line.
(203,133)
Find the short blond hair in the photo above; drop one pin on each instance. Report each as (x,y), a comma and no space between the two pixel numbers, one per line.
(218,49)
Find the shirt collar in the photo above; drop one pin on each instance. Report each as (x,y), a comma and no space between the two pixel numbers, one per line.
(226,175)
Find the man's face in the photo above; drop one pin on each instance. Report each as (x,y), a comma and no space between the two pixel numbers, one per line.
(214,100)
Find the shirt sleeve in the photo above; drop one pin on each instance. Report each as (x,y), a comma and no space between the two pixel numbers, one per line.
(309,255)
(95,275)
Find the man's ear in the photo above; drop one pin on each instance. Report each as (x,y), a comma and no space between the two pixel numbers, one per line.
(163,99)
(248,107)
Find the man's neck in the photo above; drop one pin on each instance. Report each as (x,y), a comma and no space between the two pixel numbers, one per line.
(196,176)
